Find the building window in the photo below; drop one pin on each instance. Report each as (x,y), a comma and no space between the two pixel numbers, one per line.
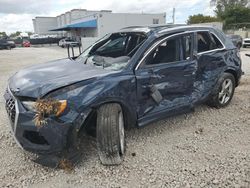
(155,21)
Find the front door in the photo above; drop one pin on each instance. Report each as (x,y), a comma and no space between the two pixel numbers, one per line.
(165,77)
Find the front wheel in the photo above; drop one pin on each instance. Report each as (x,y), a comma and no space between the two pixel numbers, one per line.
(223,91)
(110,134)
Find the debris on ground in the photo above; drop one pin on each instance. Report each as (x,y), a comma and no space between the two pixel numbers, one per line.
(66,165)
(199,131)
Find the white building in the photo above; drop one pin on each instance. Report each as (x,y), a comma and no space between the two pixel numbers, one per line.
(86,23)
(42,25)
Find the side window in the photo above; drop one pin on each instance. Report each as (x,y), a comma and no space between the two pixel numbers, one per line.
(204,42)
(172,50)
(166,52)
(207,42)
(218,44)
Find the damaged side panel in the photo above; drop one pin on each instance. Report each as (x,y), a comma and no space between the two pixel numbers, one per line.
(173,81)
(48,105)
(210,68)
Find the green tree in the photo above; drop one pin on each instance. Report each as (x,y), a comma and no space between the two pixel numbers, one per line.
(233,13)
(224,5)
(29,33)
(200,18)
(3,35)
(16,34)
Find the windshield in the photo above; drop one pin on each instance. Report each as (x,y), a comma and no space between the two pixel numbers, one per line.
(113,51)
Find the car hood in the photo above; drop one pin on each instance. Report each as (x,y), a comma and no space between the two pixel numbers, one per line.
(38,80)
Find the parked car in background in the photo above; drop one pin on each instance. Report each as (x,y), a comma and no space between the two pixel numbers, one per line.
(246,42)
(68,42)
(237,40)
(7,44)
(26,43)
(129,78)
(11,43)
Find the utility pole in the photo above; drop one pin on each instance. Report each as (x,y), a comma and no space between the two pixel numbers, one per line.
(174,15)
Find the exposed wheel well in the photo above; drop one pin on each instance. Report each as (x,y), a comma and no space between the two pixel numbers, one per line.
(89,125)
(235,76)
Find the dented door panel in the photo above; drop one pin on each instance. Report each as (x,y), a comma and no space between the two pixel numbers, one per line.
(174,81)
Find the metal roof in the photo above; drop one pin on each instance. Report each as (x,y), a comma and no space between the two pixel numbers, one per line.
(86,24)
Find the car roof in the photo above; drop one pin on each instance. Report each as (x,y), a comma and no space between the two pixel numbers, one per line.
(166,29)
(169,29)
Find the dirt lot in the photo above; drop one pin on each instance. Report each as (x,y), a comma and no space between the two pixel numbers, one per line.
(206,148)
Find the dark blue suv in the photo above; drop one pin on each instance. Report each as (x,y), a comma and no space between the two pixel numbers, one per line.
(129,78)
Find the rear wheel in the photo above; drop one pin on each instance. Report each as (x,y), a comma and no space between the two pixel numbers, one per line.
(223,91)
(110,134)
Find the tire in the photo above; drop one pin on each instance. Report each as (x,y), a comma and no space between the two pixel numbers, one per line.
(244,46)
(110,134)
(223,91)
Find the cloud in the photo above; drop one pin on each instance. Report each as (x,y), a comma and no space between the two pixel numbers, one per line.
(17,15)
(35,7)
(13,22)
(28,6)
(184,8)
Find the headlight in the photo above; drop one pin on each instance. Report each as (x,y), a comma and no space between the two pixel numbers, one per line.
(46,106)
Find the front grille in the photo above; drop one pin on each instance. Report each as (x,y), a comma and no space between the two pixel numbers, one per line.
(11,109)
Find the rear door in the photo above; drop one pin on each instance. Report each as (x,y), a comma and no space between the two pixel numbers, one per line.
(165,77)
(211,63)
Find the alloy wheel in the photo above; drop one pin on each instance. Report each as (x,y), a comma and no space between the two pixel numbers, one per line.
(226,91)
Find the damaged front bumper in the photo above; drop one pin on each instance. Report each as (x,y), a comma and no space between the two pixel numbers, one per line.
(54,138)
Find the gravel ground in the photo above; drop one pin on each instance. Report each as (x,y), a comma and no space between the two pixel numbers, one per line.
(206,148)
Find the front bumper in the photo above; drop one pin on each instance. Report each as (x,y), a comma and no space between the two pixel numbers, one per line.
(53,138)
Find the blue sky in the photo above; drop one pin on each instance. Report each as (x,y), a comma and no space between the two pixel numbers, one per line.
(18,16)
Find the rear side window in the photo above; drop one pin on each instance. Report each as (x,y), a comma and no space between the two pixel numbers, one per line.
(216,41)
(207,42)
